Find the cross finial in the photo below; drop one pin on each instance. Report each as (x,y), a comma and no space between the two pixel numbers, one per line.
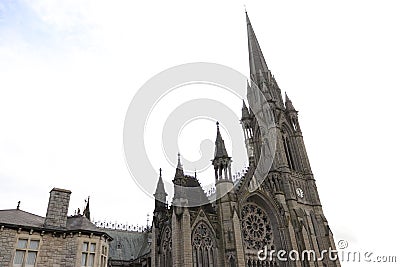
(160,171)
(19,203)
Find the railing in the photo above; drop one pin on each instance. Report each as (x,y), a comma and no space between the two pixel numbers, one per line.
(210,190)
(238,175)
(120,226)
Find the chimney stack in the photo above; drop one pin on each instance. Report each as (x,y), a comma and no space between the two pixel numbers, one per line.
(57,209)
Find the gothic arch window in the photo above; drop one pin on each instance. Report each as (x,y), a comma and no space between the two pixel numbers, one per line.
(203,246)
(166,248)
(256,227)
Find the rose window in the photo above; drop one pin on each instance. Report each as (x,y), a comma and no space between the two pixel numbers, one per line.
(256,227)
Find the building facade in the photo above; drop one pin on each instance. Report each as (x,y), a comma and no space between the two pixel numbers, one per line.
(57,240)
(268,209)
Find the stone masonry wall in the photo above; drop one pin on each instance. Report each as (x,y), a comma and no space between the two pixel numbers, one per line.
(7,243)
(55,251)
(58,251)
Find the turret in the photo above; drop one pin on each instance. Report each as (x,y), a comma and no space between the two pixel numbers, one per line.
(227,203)
(222,167)
(180,221)
(221,161)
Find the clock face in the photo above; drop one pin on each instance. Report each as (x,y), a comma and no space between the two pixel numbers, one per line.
(299,192)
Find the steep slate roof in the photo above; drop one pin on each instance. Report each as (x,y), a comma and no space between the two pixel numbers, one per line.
(80,222)
(20,218)
(127,245)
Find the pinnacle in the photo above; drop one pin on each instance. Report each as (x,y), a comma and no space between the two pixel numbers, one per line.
(220,150)
(160,190)
(179,165)
(245,111)
(288,103)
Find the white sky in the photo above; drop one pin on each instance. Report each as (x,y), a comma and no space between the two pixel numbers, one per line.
(69,70)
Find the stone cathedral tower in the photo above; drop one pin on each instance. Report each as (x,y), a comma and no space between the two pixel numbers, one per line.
(282,212)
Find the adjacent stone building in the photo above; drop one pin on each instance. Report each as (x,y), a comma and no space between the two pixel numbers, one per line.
(57,240)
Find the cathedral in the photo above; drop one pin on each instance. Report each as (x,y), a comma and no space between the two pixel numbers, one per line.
(259,214)
(270,215)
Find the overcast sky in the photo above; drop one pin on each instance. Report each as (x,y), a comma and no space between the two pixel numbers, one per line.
(69,69)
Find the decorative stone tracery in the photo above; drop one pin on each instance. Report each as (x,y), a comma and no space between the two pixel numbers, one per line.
(257,235)
(204,248)
(257,231)
(166,248)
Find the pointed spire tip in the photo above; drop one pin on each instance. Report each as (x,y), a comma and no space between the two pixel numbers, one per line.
(220,150)
(258,65)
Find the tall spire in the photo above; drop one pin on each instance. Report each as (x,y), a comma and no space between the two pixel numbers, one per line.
(256,59)
(259,71)
(220,150)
